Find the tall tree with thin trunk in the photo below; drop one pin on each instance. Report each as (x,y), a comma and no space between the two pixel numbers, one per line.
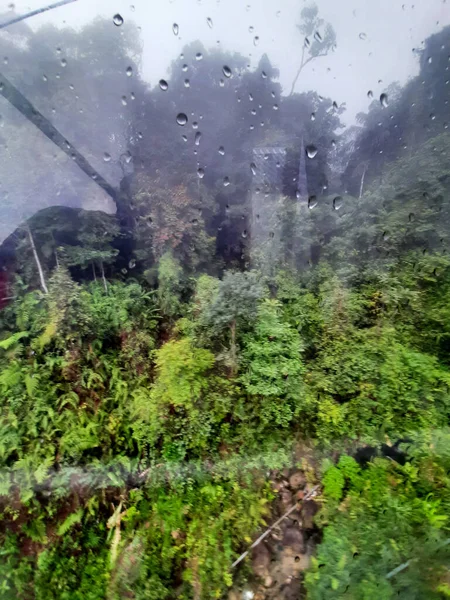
(320,38)
(234,307)
(97,232)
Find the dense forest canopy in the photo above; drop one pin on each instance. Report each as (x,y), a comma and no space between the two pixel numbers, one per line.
(261,291)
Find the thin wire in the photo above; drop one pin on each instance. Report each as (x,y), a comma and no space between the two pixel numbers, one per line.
(38,11)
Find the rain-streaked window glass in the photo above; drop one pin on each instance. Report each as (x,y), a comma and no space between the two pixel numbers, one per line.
(224,300)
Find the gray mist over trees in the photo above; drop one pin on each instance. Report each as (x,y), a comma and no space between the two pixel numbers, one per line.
(225,236)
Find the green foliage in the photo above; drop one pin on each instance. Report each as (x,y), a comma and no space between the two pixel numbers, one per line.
(12,340)
(186,404)
(96,233)
(378,519)
(233,308)
(271,366)
(169,285)
(120,397)
(65,309)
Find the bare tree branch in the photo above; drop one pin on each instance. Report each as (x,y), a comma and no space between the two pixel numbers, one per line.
(309,495)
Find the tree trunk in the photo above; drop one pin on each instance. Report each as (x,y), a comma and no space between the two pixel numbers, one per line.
(93,271)
(37,261)
(105,283)
(233,351)
(362,182)
(56,251)
(303,64)
(297,75)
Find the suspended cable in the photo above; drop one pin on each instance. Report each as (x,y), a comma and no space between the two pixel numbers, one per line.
(38,11)
(24,106)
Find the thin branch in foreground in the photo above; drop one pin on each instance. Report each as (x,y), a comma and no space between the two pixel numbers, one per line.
(308,496)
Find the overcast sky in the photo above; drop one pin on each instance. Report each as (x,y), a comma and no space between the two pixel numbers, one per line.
(392,29)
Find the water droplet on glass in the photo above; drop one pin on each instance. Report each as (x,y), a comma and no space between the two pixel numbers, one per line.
(132,7)
(124,100)
(311,151)
(132,96)
(362,36)
(44,78)
(337,202)
(251,29)
(118,20)
(384,100)
(198,56)
(244,233)
(264,75)
(370,94)
(253,111)
(124,271)
(200,173)
(333,143)
(275,107)
(106,157)
(221,150)
(63,62)
(209,22)
(195,125)
(307,43)
(184,68)
(182,119)
(132,263)
(312,201)
(253,168)
(187,83)
(129,71)
(175,29)
(430,60)
(317,37)
(432,116)
(256,40)
(198,137)
(335,106)
(226,181)
(313,116)
(184,138)
(221,83)
(226,71)
(163,84)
